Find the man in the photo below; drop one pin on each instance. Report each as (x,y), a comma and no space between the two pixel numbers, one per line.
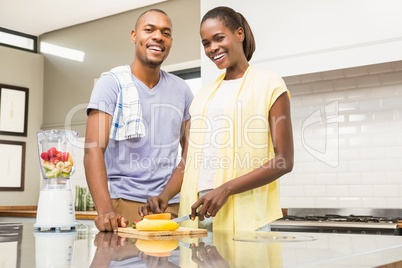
(135,117)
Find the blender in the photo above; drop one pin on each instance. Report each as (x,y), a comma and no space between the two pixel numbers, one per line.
(54,249)
(56,157)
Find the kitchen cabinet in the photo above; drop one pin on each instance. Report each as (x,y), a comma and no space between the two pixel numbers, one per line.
(86,246)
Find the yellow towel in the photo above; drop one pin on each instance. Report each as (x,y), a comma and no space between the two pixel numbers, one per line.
(247,127)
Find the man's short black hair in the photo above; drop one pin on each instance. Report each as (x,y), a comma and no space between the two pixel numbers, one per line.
(151,10)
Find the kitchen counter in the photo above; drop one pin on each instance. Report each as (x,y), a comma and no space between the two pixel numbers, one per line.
(30,212)
(22,246)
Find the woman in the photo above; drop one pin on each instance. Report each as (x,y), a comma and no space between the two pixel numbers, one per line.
(240,138)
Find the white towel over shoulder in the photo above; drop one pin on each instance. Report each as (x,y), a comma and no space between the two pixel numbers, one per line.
(127,120)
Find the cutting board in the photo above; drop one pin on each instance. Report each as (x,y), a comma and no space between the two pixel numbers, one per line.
(181,232)
(399,224)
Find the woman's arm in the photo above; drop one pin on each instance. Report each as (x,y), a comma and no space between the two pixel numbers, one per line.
(282,163)
(159,203)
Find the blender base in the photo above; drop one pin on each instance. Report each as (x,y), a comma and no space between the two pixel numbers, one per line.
(52,228)
(55,211)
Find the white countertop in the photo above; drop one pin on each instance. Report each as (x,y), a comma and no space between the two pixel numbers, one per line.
(87,246)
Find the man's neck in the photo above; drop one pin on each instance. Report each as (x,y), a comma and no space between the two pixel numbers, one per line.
(146,74)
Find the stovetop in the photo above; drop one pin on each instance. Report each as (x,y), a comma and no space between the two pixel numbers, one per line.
(343,218)
(363,221)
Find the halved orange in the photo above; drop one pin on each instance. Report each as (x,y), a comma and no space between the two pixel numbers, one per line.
(161,216)
(159,248)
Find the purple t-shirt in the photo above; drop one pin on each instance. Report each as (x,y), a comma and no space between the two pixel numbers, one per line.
(140,167)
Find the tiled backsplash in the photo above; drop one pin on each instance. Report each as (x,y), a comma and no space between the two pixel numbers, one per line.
(347,128)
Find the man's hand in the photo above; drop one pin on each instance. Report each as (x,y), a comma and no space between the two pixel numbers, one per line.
(156,262)
(155,204)
(106,246)
(110,221)
(110,247)
(109,241)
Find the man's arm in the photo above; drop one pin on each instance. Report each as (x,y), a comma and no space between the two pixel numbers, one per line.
(96,140)
(159,203)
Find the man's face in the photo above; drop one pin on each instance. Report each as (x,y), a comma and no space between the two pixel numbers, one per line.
(153,38)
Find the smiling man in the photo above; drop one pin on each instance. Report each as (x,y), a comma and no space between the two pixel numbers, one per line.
(135,119)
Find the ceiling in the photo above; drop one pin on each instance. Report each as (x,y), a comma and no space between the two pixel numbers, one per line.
(42,16)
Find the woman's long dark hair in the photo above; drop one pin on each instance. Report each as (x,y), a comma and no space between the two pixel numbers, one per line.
(234,20)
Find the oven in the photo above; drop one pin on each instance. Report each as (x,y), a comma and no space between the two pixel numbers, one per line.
(342,221)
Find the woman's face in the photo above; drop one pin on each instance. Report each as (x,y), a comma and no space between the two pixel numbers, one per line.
(221,45)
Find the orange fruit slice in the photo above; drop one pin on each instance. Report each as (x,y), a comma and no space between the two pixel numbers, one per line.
(70,158)
(161,216)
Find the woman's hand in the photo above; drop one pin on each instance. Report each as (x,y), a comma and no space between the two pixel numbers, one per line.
(210,256)
(155,204)
(210,203)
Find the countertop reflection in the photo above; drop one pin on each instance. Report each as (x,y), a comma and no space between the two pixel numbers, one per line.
(22,246)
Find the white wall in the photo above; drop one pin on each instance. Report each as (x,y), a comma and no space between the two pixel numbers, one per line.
(25,69)
(350,156)
(305,36)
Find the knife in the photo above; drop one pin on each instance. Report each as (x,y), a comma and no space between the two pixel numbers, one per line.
(184,218)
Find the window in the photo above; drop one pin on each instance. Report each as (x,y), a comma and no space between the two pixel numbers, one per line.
(13,39)
(191,76)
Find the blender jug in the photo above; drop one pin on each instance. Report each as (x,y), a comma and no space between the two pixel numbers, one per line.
(56,157)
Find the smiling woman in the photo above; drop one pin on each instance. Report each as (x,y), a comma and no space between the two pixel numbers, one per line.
(239,196)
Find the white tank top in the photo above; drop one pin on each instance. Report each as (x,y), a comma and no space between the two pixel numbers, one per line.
(213,135)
